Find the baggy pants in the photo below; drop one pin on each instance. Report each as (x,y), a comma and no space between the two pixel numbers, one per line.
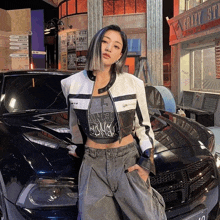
(106,192)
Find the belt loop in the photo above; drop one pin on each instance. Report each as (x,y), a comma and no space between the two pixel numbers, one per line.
(92,153)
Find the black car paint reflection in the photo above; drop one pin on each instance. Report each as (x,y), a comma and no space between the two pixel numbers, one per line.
(38,178)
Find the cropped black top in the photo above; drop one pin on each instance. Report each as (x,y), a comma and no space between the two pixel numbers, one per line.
(102,120)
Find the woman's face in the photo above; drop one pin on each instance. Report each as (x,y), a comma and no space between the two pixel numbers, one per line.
(111,47)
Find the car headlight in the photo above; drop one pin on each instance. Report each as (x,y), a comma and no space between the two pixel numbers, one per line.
(217,161)
(211,144)
(48,193)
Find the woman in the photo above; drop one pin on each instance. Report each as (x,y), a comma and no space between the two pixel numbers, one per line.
(107,108)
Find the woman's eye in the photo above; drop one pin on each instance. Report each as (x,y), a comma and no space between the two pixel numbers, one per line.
(117,47)
(103,41)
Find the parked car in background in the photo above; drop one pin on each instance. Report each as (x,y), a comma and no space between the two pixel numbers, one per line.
(38,178)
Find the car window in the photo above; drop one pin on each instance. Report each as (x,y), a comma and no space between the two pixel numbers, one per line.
(24,92)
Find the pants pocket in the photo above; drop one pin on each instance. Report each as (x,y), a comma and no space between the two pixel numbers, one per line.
(80,172)
(156,195)
(159,204)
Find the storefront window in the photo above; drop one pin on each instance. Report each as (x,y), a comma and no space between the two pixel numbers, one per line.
(203,70)
(114,7)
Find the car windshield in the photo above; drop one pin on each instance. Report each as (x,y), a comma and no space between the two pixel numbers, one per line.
(25,92)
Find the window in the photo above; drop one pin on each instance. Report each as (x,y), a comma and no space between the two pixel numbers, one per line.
(60,11)
(203,70)
(71,7)
(64,9)
(114,7)
(81,6)
(129,6)
(188,4)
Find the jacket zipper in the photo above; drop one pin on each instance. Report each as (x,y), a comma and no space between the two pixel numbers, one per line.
(116,113)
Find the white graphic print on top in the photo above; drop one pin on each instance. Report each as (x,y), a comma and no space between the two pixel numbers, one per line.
(102,120)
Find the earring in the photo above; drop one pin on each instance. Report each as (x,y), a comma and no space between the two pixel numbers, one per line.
(117,62)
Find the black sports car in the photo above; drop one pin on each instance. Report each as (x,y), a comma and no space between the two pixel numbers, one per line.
(38,178)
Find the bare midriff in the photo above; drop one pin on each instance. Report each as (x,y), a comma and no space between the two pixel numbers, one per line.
(126,140)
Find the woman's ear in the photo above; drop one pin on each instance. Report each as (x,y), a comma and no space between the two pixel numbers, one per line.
(120,56)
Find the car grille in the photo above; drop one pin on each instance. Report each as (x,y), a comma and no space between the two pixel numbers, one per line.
(184,185)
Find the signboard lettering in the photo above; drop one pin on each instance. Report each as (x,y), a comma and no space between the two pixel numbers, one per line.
(200,20)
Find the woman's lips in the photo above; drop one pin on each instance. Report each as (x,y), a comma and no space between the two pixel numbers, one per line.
(105,55)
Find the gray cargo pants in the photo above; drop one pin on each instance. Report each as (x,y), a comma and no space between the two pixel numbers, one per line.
(106,192)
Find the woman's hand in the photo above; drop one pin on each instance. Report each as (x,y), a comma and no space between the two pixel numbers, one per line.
(72,150)
(143,173)
(73,154)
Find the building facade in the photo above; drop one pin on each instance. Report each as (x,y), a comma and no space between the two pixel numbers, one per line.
(82,19)
(195,46)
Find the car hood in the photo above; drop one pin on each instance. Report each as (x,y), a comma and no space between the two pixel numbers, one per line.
(42,140)
(177,146)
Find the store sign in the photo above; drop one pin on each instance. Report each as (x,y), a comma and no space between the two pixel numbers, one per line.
(197,21)
(18,37)
(39,52)
(18,44)
(19,55)
(18,48)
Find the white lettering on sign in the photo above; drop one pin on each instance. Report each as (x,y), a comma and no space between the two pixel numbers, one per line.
(18,43)
(192,21)
(39,52)
(19,36)
(207,15)
(19,55)
(18,48)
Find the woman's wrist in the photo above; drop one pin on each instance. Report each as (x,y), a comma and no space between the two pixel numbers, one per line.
(76,150)
(145,161)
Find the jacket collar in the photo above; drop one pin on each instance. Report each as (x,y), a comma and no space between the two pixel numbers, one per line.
(108,86)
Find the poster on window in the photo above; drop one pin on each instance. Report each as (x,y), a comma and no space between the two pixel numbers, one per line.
(63,61)
(71,41)
(63,43)
(81,48)
(81,40)
(73,50)
(71,62)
